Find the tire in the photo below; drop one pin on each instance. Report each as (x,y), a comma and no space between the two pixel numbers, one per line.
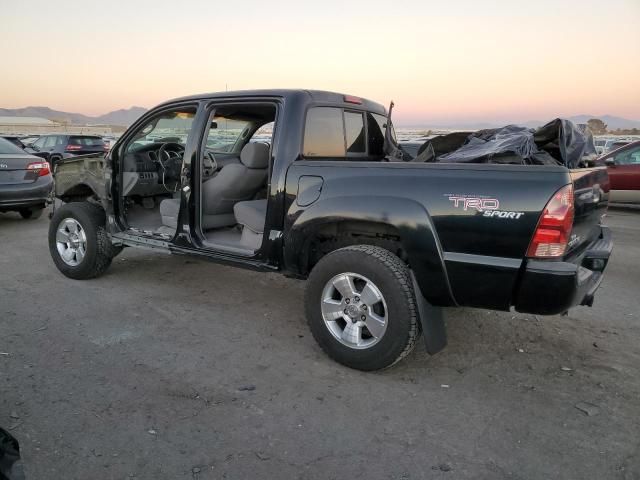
(98,250)
(386,273)
(53,159)
(31,213)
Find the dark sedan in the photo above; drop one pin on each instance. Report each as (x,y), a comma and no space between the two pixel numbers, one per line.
(623,166)
(58,146)
(25,181)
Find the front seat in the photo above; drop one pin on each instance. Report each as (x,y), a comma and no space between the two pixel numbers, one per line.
(234,183)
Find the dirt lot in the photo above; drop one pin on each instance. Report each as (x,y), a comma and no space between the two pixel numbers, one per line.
(168,367)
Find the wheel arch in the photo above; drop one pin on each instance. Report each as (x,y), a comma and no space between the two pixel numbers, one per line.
(78,192)
(400,225)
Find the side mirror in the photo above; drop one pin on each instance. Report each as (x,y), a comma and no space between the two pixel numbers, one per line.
(610,162)
(33,147)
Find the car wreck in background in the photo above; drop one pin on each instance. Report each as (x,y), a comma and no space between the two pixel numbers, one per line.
(559,142)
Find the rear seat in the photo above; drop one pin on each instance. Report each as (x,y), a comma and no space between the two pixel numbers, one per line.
(252,216)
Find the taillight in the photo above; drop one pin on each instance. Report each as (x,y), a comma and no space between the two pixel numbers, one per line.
(73,148)
(41,167)
(554,228)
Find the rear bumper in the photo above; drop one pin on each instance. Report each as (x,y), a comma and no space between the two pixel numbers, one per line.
(549,287)
(15,197)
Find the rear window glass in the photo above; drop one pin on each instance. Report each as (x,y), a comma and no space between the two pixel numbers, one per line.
(323,133)
(6,147)
(332,132)
(376,125)
(354,130)
(86,141)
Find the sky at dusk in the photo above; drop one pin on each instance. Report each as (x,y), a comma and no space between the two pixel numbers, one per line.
(444,61)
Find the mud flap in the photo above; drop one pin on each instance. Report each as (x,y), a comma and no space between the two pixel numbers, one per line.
(432,321)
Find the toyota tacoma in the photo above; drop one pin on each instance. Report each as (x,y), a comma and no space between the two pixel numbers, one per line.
(305,183)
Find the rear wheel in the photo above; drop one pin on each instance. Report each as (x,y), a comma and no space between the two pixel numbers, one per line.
(361,307)
(31,213)
(78,241)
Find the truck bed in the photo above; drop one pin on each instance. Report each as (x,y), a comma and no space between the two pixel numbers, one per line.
(482,217)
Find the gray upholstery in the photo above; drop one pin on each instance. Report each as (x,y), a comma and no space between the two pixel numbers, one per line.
(169,209)
(217,220)
(251,214)
(234,183)
(255,155)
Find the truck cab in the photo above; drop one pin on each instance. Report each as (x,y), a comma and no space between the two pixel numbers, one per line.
(206,175)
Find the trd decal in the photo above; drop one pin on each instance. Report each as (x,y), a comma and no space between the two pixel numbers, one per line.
(503,214)
(489,207)
(480,204)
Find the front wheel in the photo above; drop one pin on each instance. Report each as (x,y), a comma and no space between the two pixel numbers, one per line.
(361,307)
(78,241)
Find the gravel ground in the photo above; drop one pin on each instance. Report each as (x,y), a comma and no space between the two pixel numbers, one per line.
(168,367)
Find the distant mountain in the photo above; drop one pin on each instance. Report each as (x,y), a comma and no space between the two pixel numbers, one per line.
(613,123)
(123,117)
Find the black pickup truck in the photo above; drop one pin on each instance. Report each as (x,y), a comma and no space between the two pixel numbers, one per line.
(301,182)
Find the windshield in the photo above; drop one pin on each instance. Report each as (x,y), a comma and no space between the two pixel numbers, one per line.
(6,147)
(224,133)
(169,127)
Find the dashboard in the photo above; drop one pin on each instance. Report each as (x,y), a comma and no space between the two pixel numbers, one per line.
(152,169)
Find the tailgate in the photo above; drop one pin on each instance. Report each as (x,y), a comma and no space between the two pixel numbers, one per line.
(591,198)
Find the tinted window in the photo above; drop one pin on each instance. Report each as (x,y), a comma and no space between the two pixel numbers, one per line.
(7,147)
(375,124)
(50,142)
(86,141)
(628,157)
(323,133)
(354,130)
(618,145)
(39,143)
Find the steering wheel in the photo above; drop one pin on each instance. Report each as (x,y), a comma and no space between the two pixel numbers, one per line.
(170,167)
(162,153)
(209,166)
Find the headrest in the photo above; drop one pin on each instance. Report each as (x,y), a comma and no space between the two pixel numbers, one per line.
(255,155)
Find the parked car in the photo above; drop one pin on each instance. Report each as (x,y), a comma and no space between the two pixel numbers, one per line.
(617,144)
(109,141)
(56,147)
(384,244)
(623,165)
(25,181)
(13,139)
(600,143)
(29,139)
